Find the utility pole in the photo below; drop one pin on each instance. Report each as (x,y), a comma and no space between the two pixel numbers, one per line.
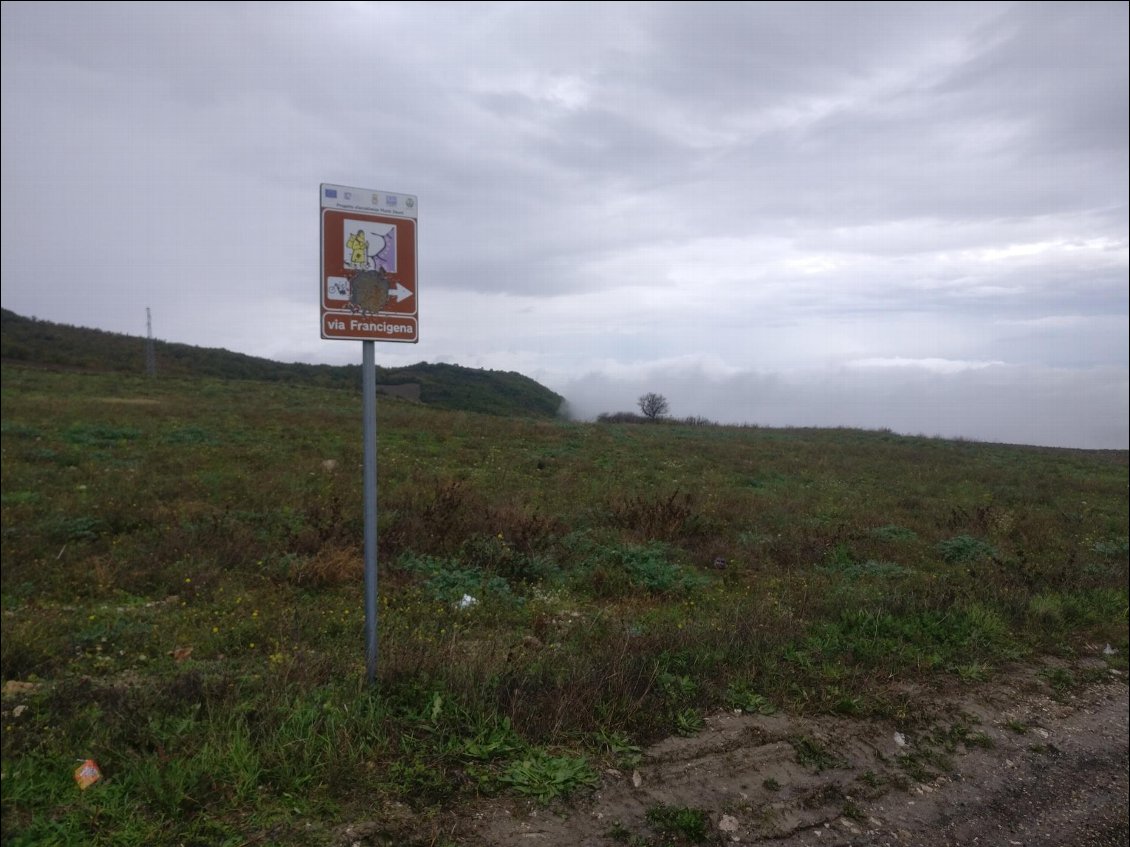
(150,349)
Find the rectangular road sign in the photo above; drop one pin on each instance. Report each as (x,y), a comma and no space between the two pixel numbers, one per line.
(368,265)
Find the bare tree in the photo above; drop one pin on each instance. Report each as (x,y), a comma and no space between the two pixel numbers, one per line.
(653,406)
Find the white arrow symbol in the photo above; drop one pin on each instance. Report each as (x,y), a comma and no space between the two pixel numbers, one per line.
(400,292)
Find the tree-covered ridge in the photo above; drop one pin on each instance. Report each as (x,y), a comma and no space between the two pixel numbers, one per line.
(46,344)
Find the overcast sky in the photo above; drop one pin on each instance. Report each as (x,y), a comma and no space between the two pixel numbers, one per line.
(910,216)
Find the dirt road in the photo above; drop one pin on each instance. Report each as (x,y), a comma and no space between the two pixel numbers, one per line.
(1013,764)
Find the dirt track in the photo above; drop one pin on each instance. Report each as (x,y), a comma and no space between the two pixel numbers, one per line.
(1009,765)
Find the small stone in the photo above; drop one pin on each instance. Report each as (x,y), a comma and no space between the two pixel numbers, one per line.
(900,739)
(728,824)
(637,780)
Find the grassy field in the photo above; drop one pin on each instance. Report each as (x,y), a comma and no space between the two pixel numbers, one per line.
(182,597)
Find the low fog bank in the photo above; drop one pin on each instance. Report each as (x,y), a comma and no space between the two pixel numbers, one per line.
(994,403)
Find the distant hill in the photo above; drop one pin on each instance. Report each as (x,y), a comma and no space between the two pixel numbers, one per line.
(39,343)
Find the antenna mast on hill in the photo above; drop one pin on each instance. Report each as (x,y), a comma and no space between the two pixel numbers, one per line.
(150,350)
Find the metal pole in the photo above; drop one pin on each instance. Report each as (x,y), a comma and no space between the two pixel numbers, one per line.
(150,350)
(369,406)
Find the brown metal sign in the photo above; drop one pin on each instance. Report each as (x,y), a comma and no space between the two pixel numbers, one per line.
(368,267)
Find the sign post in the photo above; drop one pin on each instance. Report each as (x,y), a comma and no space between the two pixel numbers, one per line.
(368,293)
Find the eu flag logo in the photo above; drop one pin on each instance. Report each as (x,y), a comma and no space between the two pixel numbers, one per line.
(331,192)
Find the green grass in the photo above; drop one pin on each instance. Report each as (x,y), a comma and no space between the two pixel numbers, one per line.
(684,823)
(182,591)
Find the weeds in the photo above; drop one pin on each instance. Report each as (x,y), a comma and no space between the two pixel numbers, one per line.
(893,533)
(963,548)
(619,746)
(498,741)
(1060,679)
(689,722)
(546,777)
(683,822)
(810,753)
(663,517)
(740,696)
